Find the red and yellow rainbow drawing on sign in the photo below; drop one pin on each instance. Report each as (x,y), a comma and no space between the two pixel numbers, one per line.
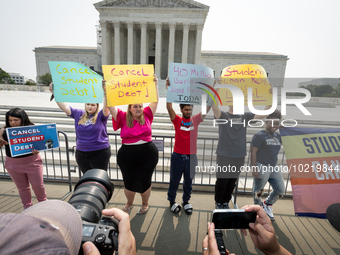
(313,160)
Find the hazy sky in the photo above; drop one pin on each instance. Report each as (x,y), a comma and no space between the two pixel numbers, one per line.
(307,31)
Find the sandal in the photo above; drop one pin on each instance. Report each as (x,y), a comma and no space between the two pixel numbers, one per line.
(188,208)
(127,209)
(175,208)
(142,211)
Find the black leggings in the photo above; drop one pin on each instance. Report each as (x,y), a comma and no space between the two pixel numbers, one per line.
(226,181)
(87,160)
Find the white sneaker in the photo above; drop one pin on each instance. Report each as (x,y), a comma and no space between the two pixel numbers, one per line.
(268,209)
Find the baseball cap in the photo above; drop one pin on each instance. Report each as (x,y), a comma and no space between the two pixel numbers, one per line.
(49,227)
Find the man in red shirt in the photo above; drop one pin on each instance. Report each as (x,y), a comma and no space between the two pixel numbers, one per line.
(184,158)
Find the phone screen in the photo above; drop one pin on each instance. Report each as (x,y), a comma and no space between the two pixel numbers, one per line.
(232,219)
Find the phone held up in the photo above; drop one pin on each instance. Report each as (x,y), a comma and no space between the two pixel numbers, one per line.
(232,218)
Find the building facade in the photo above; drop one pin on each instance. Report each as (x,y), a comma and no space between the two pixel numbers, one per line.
(155,32)
(18,78)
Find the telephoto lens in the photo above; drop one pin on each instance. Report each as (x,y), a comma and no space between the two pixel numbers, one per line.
(91,194)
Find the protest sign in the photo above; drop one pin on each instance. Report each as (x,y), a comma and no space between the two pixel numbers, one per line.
(22,140)
(200,86)
(313,161)
(129,84)
(182,88)
(75,83)
(244,77)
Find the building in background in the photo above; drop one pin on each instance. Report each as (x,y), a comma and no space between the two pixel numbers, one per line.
(334,82)
(18,78)
(155,32)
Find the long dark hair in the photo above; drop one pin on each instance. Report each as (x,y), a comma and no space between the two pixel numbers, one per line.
(18,113)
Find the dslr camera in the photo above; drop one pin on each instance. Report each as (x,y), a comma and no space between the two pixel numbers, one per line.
(91,194)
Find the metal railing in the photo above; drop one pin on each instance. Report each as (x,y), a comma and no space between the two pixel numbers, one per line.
(57,166)
(56,163)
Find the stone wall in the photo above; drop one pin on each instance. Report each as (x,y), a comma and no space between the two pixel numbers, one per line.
(16,87)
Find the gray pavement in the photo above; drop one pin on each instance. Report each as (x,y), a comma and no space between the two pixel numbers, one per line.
(159,231)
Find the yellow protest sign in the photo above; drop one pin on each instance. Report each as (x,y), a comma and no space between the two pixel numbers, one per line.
(129,84)
(244,77)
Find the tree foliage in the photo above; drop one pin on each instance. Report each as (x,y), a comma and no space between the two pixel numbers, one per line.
(30,83)
(5,78)
(323,90)
(45,79)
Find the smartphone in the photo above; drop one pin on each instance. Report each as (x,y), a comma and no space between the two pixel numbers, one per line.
(232,218)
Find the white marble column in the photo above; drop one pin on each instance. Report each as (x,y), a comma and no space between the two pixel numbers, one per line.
(158,51)
(185,42)
(109,44)
(199,29)
(143,47)
(104,42)
(130,43)
(172,27)
(117,42)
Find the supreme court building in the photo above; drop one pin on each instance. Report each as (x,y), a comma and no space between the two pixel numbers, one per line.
(155,32)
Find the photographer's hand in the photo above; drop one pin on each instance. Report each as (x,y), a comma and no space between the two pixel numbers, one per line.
(126,240)
(262,232)
(210,242)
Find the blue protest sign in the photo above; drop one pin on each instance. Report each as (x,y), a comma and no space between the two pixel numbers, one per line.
(75,83)
(22,140)
(181,86)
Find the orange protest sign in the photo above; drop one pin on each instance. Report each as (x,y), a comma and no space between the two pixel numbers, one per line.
(244,77)
(129,84)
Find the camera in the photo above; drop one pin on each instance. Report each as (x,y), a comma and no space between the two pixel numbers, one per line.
(91,194)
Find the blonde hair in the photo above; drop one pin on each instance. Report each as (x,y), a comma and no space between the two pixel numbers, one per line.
(85,117)
(129,118)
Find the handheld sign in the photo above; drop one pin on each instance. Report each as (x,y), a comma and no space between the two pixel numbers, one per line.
(75,83)
(181,85)
(22,140)
(200,86)
(129,84)
(244,77)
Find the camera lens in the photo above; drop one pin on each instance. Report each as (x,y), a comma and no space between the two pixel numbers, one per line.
(91,194)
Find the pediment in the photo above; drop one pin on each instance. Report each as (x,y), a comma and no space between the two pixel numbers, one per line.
(152,3)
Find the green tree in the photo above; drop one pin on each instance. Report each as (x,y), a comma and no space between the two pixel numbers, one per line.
(45,79)
(311,89)
(323,90)
(337,90)
(30,82)
(5,77)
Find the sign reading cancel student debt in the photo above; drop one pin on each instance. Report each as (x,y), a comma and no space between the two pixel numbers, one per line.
(244,77)
(184,88)
(75,83)
(313,160)
(129,84)
(22,140)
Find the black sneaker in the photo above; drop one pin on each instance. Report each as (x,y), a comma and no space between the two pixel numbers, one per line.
(219,206)
(225,205)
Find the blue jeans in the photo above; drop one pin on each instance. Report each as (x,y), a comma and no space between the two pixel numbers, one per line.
(181,165)
(272,175)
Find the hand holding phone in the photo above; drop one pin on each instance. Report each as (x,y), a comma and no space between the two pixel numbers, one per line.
(232,218)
